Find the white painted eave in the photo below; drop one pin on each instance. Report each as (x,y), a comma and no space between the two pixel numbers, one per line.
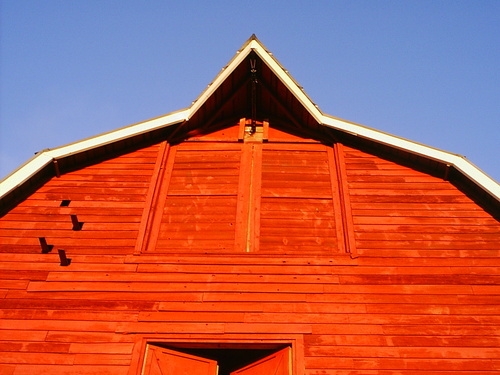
(287,80)
(43,158)
(459,162)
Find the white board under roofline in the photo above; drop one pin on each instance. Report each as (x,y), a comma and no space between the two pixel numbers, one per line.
(459,162)
(42,159)
(45,157)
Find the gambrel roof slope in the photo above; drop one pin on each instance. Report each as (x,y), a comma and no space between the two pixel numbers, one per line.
(276,96)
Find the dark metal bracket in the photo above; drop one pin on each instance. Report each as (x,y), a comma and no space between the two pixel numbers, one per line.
(77,225)
(65,261)
(46,248)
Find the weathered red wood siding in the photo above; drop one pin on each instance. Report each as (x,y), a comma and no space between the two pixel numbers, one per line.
(402,212)
(200,207)
(423,295)
(107,197)
(297,208)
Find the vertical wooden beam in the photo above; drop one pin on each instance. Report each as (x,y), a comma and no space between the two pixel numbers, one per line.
(253,232)
(336,201)
(243,202)
(160,198)
(247,236)
(341,200)
(56,168)
(447,168)
(265,126)
(241,129)
(153,208)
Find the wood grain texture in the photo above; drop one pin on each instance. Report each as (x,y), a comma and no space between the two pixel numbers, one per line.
(422,297)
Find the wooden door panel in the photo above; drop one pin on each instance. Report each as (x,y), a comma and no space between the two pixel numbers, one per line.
(275,364)
(162,361)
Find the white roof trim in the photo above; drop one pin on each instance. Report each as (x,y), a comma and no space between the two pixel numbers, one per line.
(34,165)
(21,175)
(457,161)
(272,63)
(287,80)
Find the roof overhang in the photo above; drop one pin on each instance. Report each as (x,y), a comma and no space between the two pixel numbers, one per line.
(253,45)
(459,162)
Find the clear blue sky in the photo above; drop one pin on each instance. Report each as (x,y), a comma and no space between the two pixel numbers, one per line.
(424,70)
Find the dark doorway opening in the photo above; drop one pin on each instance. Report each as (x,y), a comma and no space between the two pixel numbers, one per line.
(228,359)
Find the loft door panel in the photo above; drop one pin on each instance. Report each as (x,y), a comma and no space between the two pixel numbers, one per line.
(252,196)
(296,174)
(276,364)
(162,361)
(297,208)
(205,172)
(199,213)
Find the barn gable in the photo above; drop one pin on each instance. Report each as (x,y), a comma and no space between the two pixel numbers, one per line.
(252,233)
(275,96)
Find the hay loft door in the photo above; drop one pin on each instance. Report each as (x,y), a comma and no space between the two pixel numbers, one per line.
(245,190)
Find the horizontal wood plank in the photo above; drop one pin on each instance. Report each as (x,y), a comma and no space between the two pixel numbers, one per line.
(421,297)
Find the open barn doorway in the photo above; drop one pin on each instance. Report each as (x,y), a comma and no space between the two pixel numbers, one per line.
(166,360)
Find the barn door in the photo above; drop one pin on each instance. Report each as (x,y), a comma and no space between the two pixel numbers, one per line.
(162,361)
(276,364)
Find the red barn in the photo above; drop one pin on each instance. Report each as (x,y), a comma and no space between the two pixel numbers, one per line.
(249,234)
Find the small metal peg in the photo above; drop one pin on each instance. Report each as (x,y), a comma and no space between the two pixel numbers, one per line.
(76,224)
(46,248)
(64,261)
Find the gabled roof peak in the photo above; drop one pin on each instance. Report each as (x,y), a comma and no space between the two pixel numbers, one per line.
(280,96)
(270,63)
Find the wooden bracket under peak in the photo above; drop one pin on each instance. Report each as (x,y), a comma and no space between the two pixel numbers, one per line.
(253,131)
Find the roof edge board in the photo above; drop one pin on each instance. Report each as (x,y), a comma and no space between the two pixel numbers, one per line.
(120,134)
(458,161)
(43,158)
(287,80)
(225,72)
(253,44)
(25,172)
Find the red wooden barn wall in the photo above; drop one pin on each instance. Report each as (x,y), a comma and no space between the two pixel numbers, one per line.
(216,240)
